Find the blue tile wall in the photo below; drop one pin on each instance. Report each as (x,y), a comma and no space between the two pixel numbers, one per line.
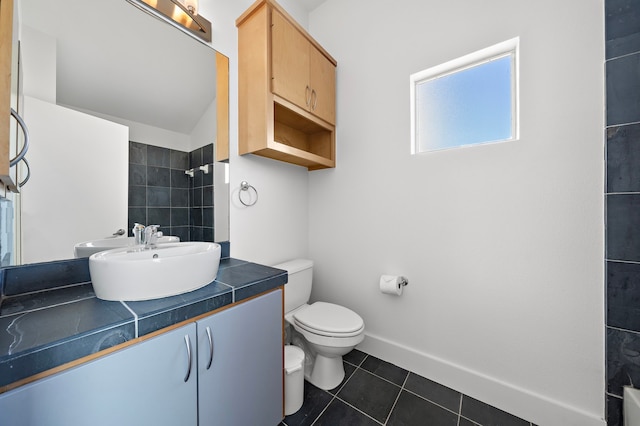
(623,363)
(622,20)
(622,41)
(202,194)
(623,90)
(161,193)
(623,156)
(623,227)
(158,188)
(623,295)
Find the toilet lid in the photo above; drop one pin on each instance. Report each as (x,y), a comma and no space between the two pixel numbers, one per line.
(329,320)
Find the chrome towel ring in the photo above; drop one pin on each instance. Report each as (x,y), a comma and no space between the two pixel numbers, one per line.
(25,148)
(245,187)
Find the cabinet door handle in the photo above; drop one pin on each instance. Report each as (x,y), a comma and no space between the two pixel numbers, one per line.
(188,342)
(210,347)
(307,95)
(314,99)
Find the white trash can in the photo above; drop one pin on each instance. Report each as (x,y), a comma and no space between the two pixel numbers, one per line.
(293,379)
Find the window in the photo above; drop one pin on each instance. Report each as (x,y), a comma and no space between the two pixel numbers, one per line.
(468,101)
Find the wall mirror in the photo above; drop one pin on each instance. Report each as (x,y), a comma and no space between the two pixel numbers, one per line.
(97,75)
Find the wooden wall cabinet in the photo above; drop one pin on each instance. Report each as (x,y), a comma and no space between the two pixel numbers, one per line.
(286,93)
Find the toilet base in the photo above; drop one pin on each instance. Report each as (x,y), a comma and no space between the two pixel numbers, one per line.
(327,373)
(323,363)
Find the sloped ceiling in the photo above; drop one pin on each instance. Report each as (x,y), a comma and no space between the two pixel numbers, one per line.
(115,59)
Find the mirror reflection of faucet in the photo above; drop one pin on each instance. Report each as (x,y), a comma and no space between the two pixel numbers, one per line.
(151,236)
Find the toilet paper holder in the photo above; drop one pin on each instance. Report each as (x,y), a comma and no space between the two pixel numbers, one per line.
(393,284)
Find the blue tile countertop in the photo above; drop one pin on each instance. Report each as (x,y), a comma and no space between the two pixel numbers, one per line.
(49,314)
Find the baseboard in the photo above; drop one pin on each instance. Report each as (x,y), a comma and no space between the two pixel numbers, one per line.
(535,408)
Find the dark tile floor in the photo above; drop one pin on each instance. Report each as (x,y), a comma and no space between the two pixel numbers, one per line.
(375,392)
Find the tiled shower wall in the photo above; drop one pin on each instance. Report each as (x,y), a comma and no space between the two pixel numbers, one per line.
(622,32)
(160,192)
(201,196)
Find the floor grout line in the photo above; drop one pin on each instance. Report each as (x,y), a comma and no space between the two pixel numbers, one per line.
(397,397)
(323,410)
(357,409)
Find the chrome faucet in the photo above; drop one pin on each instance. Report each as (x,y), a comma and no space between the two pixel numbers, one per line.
(147,235)
(150,236)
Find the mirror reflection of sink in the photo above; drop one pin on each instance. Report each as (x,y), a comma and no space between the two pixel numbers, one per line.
(88,248)
(135,273)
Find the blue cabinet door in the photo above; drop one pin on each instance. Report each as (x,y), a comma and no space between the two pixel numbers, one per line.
(143,384)
(240,376)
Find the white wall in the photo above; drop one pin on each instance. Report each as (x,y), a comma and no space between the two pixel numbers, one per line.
(38,51)
(502,244)
(276,227)
(204,131)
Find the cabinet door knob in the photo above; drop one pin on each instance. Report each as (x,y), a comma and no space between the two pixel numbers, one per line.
(188,343)
(210,337)
(307,95)
(314,99)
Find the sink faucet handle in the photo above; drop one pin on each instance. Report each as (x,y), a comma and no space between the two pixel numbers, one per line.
(151,235)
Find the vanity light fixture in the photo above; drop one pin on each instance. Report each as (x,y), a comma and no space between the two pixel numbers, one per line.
(182,14)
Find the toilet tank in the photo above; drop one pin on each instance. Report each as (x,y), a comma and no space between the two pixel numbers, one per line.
(298,289)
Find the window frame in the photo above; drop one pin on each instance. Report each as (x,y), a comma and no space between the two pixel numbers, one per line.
(510,48)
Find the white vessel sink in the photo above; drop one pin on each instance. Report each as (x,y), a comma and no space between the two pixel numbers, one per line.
(88,248)
(135,273)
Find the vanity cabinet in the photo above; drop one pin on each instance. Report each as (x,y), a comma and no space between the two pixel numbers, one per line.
(229,373)
(287,86)
(142,384)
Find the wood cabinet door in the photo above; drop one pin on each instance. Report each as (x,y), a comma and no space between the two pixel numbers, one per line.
(289,62)
(240,364)
(323,83)
(139,385)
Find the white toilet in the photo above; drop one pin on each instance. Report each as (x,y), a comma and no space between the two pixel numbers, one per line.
(325,331)
(631,406)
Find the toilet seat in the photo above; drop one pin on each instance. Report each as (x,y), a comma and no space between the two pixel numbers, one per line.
(328,319)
